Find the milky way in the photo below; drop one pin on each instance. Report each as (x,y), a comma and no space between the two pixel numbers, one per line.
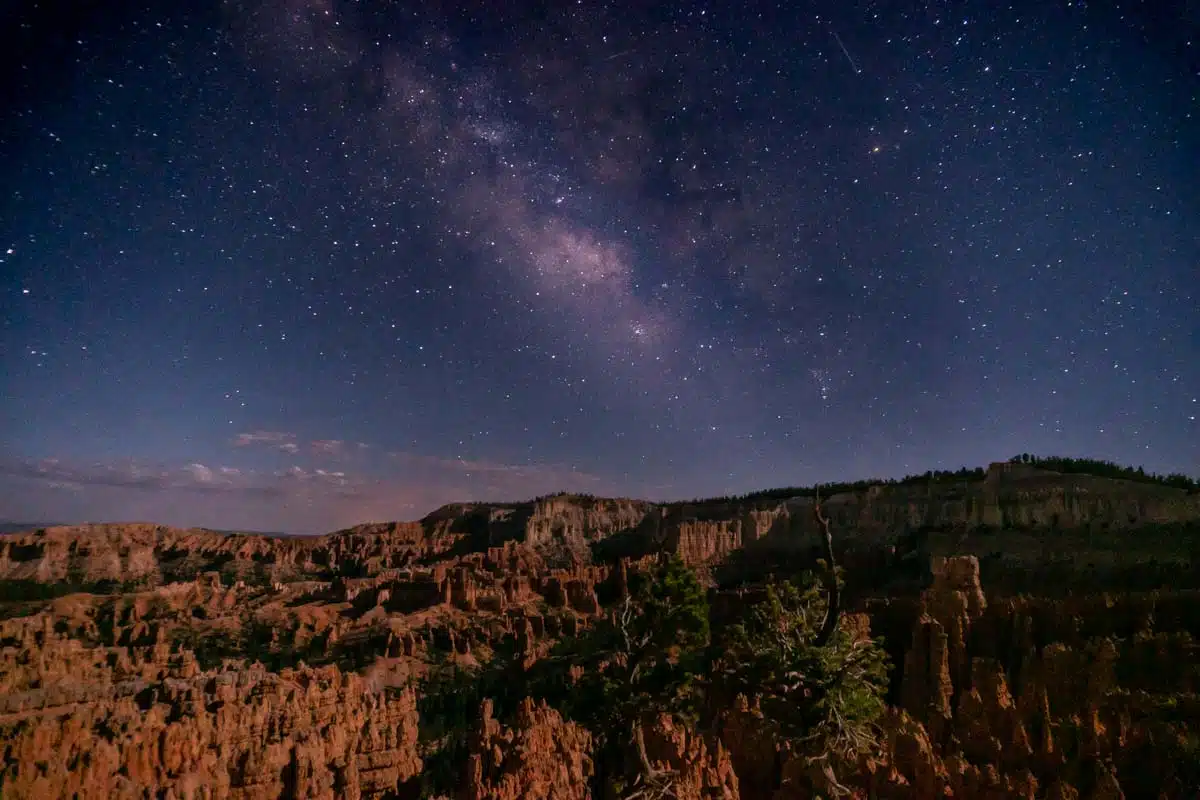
(298,264)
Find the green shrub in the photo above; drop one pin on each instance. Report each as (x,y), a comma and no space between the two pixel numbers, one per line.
(654,653)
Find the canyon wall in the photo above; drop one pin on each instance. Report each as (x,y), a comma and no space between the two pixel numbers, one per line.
(194,663)
(1012,500)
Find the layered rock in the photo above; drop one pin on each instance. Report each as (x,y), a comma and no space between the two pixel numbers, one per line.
(700,767)
(1011,496)
(573,519)
(251,733)
(541,757)
(1003,708)
(146,680)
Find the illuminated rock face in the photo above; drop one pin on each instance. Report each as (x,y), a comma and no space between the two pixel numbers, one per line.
(540,757)
(1011,496)
(312,732)
(129,651)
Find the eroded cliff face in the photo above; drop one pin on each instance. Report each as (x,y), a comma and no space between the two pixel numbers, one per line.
(1028,696)
(133,552)
(188,661)
(966,516)
(1016,698)
(1014,496)
(541,757)
(148,555)
(120,721)
(581,520)
(977,517)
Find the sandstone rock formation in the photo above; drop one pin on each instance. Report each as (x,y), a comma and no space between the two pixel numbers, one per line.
(541,757)
(1014,497)
(155,721)
(193,663)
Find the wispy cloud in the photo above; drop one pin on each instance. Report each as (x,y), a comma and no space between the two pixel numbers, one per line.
(200,473)
(499,480)
(291,444)
(332,448)
(301,475)
(278,440)
(194,477)
(297,498)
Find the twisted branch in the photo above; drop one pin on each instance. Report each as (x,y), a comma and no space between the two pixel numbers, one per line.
(651,783)
(833,608)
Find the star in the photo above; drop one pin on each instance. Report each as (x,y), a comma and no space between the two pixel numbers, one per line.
(716,252)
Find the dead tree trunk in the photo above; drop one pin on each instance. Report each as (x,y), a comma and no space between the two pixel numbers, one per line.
(833,590)
(652,783)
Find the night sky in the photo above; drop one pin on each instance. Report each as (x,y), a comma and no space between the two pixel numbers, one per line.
(298,264)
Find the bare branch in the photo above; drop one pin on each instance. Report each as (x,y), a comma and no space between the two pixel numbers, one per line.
(834,607)
(652,783)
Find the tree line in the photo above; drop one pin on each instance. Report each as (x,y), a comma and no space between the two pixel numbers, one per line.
(1106,469)
(1063,464)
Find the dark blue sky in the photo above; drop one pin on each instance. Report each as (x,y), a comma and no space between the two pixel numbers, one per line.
(296,264)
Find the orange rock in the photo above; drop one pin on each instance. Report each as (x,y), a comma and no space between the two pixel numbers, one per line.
(540,758)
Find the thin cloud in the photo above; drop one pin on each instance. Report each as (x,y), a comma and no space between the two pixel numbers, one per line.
(501,479)
(279,440)
(199,495)
(302,475)
(200,473)
(194,477)
(289,443)
(403,486)
(328,447)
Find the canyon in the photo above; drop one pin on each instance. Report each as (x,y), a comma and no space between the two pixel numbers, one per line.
(1042,629)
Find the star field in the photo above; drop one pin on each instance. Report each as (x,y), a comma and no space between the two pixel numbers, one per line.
(298,264)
